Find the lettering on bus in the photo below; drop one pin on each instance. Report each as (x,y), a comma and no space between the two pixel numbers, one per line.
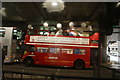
(52,57)
(52,39)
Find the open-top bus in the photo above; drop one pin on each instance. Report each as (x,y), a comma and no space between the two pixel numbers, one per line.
(73,51)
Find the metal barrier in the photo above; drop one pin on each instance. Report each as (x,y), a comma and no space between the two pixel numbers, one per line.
(114,70)
(48,77)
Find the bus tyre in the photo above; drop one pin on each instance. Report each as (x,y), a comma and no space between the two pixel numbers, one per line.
(29,62)
(79,64)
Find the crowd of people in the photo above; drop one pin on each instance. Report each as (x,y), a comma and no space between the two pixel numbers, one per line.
(71,31)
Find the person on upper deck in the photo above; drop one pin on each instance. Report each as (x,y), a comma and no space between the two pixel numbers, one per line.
(60,31)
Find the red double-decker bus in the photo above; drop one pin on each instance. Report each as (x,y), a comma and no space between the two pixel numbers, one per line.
(53,50)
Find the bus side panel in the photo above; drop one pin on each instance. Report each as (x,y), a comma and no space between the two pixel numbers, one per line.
(45,58)
(60,59)
(69,59)
(40,58)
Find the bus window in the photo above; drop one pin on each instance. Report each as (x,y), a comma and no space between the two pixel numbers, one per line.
(44,50)
(2,32)
(41,49)
(82,51)
(30,48)
(76,51)
(54,50)
(38,49)
(67,51)
(79,51)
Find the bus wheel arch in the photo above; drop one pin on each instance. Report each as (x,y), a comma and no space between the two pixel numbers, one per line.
(28,61)
(79,64)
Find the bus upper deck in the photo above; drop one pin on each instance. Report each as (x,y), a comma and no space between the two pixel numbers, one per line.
(37,37)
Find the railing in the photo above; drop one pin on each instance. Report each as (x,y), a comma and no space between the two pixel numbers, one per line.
(38,76)
(98,73)
(114,70)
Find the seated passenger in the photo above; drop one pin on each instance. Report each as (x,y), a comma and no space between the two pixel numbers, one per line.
(71,24)
(69,32)
(60,32)
(80,33)
(66,33)
(52,33)
(72,33)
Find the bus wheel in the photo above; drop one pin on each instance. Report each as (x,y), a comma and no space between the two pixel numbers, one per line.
(29,62)
(79,64)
